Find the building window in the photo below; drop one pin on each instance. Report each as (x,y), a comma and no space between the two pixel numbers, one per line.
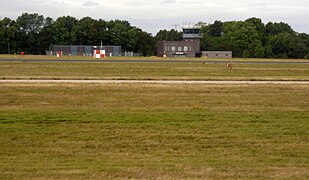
(190,48)
(185,48)
(173,48)
(179,48)
(217,54)
(226,55)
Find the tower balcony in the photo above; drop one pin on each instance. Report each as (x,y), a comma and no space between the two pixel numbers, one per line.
(192,36)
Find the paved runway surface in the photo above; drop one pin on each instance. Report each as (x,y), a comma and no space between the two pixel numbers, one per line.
(159,61)
(152,82)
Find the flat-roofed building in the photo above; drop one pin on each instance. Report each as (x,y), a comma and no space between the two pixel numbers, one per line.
(188,47)
(217,54)
(83,50)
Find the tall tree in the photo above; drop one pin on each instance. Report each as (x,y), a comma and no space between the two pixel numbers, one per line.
(102,33)
(63,30)
(215,29)
(277,28)
(7,35)
(46,35)
(168,35)
(123,34)
(85,31)
(243,38)
(145,44)
(29,26)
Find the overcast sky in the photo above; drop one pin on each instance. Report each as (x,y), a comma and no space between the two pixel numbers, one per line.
(154,15)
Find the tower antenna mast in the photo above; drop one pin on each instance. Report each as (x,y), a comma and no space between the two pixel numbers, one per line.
(176,26)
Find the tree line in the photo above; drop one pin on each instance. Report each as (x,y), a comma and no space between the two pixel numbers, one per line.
(253,39)
(34,34)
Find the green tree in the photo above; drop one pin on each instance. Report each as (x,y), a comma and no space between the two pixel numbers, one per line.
(145,44)
(123,34)
(243,38)
(5,35)
(102,33)
(29,26)
(215,29)
(259,51)
(303,41)
(277,28)
(63,30)
(283,45)
(46,35)
(30,22)
(85,31)
(168,35)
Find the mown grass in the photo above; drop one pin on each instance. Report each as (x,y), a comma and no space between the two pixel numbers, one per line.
(44,57)
(80,131)
(179,71)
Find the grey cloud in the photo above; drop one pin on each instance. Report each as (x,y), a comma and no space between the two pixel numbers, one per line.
(191,2)
(90,3)
(169,1)
(159,14)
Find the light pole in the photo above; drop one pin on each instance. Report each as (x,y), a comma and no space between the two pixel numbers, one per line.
(9,49)
(109,37)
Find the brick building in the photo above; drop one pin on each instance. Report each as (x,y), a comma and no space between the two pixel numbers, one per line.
(188,47)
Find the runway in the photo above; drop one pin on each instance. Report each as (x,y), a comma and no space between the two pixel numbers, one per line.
(151,82)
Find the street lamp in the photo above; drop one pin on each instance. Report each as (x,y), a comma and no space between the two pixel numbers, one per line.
(9,49)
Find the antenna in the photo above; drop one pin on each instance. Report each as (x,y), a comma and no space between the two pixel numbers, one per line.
(176,26)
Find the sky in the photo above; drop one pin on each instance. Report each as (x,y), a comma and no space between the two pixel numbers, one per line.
(154,15)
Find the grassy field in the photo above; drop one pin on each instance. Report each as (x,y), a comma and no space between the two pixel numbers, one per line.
(138,131)
(44,57)
(179,71)
(80,131)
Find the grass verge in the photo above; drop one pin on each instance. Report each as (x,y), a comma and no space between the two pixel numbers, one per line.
(44,57)
(80,131)
(152,71)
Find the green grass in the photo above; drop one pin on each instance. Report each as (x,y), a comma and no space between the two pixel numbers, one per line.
(44,57)
(179,71)
(80,131)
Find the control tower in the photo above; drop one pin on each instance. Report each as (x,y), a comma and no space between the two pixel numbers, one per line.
(191,32)
(188,47)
